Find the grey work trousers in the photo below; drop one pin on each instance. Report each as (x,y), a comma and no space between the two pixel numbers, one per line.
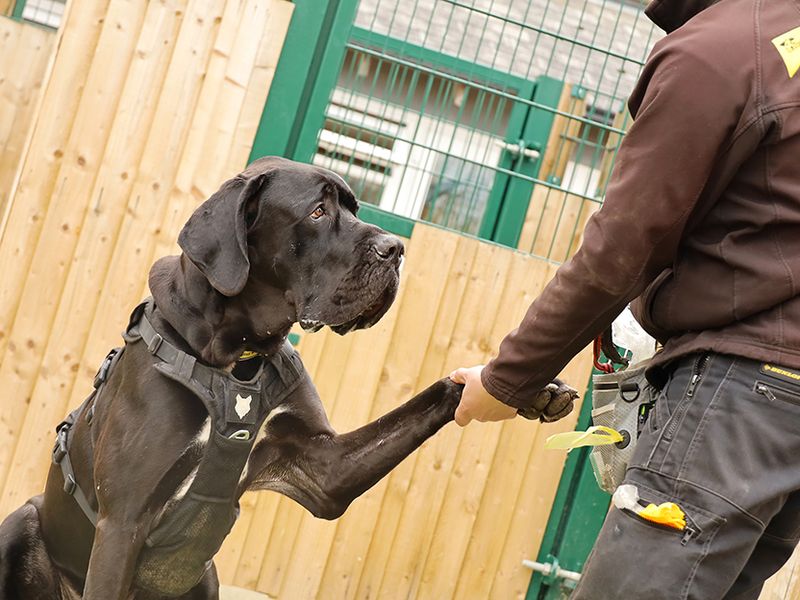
(722,442)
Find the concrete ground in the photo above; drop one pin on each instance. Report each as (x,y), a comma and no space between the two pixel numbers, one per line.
(227,592)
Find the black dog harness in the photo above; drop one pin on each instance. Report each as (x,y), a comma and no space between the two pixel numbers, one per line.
(192,527)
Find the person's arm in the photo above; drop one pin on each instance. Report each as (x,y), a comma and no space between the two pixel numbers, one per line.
(687,107)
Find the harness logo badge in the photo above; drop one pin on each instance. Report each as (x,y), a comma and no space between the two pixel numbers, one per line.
(788,46)
(242,405)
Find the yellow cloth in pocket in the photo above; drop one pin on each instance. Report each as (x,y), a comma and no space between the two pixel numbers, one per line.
(668,513)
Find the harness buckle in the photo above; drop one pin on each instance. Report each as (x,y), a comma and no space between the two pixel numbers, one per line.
(70,484)
(60,447)
(155,343)
(102,372)
(241,434)
(58,453)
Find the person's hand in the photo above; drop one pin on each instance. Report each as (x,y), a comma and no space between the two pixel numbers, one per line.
(476,403)
(552,403)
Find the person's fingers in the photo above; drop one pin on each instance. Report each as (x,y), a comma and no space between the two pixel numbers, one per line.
(462,417)
(459,375)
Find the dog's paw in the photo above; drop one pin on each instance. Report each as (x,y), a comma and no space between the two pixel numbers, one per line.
(448,392)
(552,403)
(561,403)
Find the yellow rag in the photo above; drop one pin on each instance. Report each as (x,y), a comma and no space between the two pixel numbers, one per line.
(668,513)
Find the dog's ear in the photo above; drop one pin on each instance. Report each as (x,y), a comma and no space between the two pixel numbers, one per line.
(215,236)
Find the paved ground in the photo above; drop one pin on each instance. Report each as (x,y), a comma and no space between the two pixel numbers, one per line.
(231,593)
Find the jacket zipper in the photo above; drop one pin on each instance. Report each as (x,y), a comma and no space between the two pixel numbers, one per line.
(697,375)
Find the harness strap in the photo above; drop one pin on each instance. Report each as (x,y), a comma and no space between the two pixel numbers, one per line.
(186,365)
(61,458)
(237,410)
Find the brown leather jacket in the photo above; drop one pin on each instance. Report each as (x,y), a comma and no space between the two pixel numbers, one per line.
(702,214)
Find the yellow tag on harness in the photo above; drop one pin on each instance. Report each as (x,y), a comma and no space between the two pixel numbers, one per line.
(668,513)
(248,354)
(594,436)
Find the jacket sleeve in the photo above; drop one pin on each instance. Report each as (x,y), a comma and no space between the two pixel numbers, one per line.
(687,108)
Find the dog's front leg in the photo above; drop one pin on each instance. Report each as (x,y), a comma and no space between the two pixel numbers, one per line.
(113,561)
(305,459)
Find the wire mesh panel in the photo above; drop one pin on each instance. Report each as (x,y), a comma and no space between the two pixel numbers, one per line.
(441,112)
(44,12)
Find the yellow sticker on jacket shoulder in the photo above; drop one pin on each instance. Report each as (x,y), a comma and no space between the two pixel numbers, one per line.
(788,46)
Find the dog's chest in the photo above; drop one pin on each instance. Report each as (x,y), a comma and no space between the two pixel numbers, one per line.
(195,522)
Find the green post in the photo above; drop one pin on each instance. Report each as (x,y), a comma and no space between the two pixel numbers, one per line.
(19,6)
(535,134)
(307,72)
(578,512)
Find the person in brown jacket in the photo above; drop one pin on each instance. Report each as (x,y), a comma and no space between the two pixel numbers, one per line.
(701,225)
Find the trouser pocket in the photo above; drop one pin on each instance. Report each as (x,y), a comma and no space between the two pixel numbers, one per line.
(637,558)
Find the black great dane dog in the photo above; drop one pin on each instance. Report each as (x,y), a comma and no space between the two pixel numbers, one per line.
(148,472)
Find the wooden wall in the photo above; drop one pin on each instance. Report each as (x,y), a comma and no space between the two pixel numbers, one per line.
(25,52)
(555,220)
(456,519)
(149,107)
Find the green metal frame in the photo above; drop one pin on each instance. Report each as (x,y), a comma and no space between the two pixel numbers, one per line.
(16,15)
(439,60)
(576,517)
(399,225)
(307,74)
(508,204)
(19,6)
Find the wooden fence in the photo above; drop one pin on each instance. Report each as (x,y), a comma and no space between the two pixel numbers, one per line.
(148,106)
(456,519)
(25,52)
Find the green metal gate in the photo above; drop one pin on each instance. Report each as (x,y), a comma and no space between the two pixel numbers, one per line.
(495,118)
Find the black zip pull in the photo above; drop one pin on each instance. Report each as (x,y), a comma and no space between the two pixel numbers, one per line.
(688,534)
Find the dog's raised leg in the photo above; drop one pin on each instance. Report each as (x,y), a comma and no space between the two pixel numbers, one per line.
(303,458)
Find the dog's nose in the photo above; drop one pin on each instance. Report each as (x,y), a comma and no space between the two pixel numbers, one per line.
(388,247)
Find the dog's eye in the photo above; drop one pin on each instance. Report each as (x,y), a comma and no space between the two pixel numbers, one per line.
(318,213)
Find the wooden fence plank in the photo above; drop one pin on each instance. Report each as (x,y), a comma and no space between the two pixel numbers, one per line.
(423,504)
(21,82)
(145,223)
(39,180)
(426,284)
(77,303)
(22,224)
(360,377)
(46,275)
(537,492)
(346,557)
(477,456)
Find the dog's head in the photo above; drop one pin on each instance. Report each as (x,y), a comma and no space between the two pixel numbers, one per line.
(293,226)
